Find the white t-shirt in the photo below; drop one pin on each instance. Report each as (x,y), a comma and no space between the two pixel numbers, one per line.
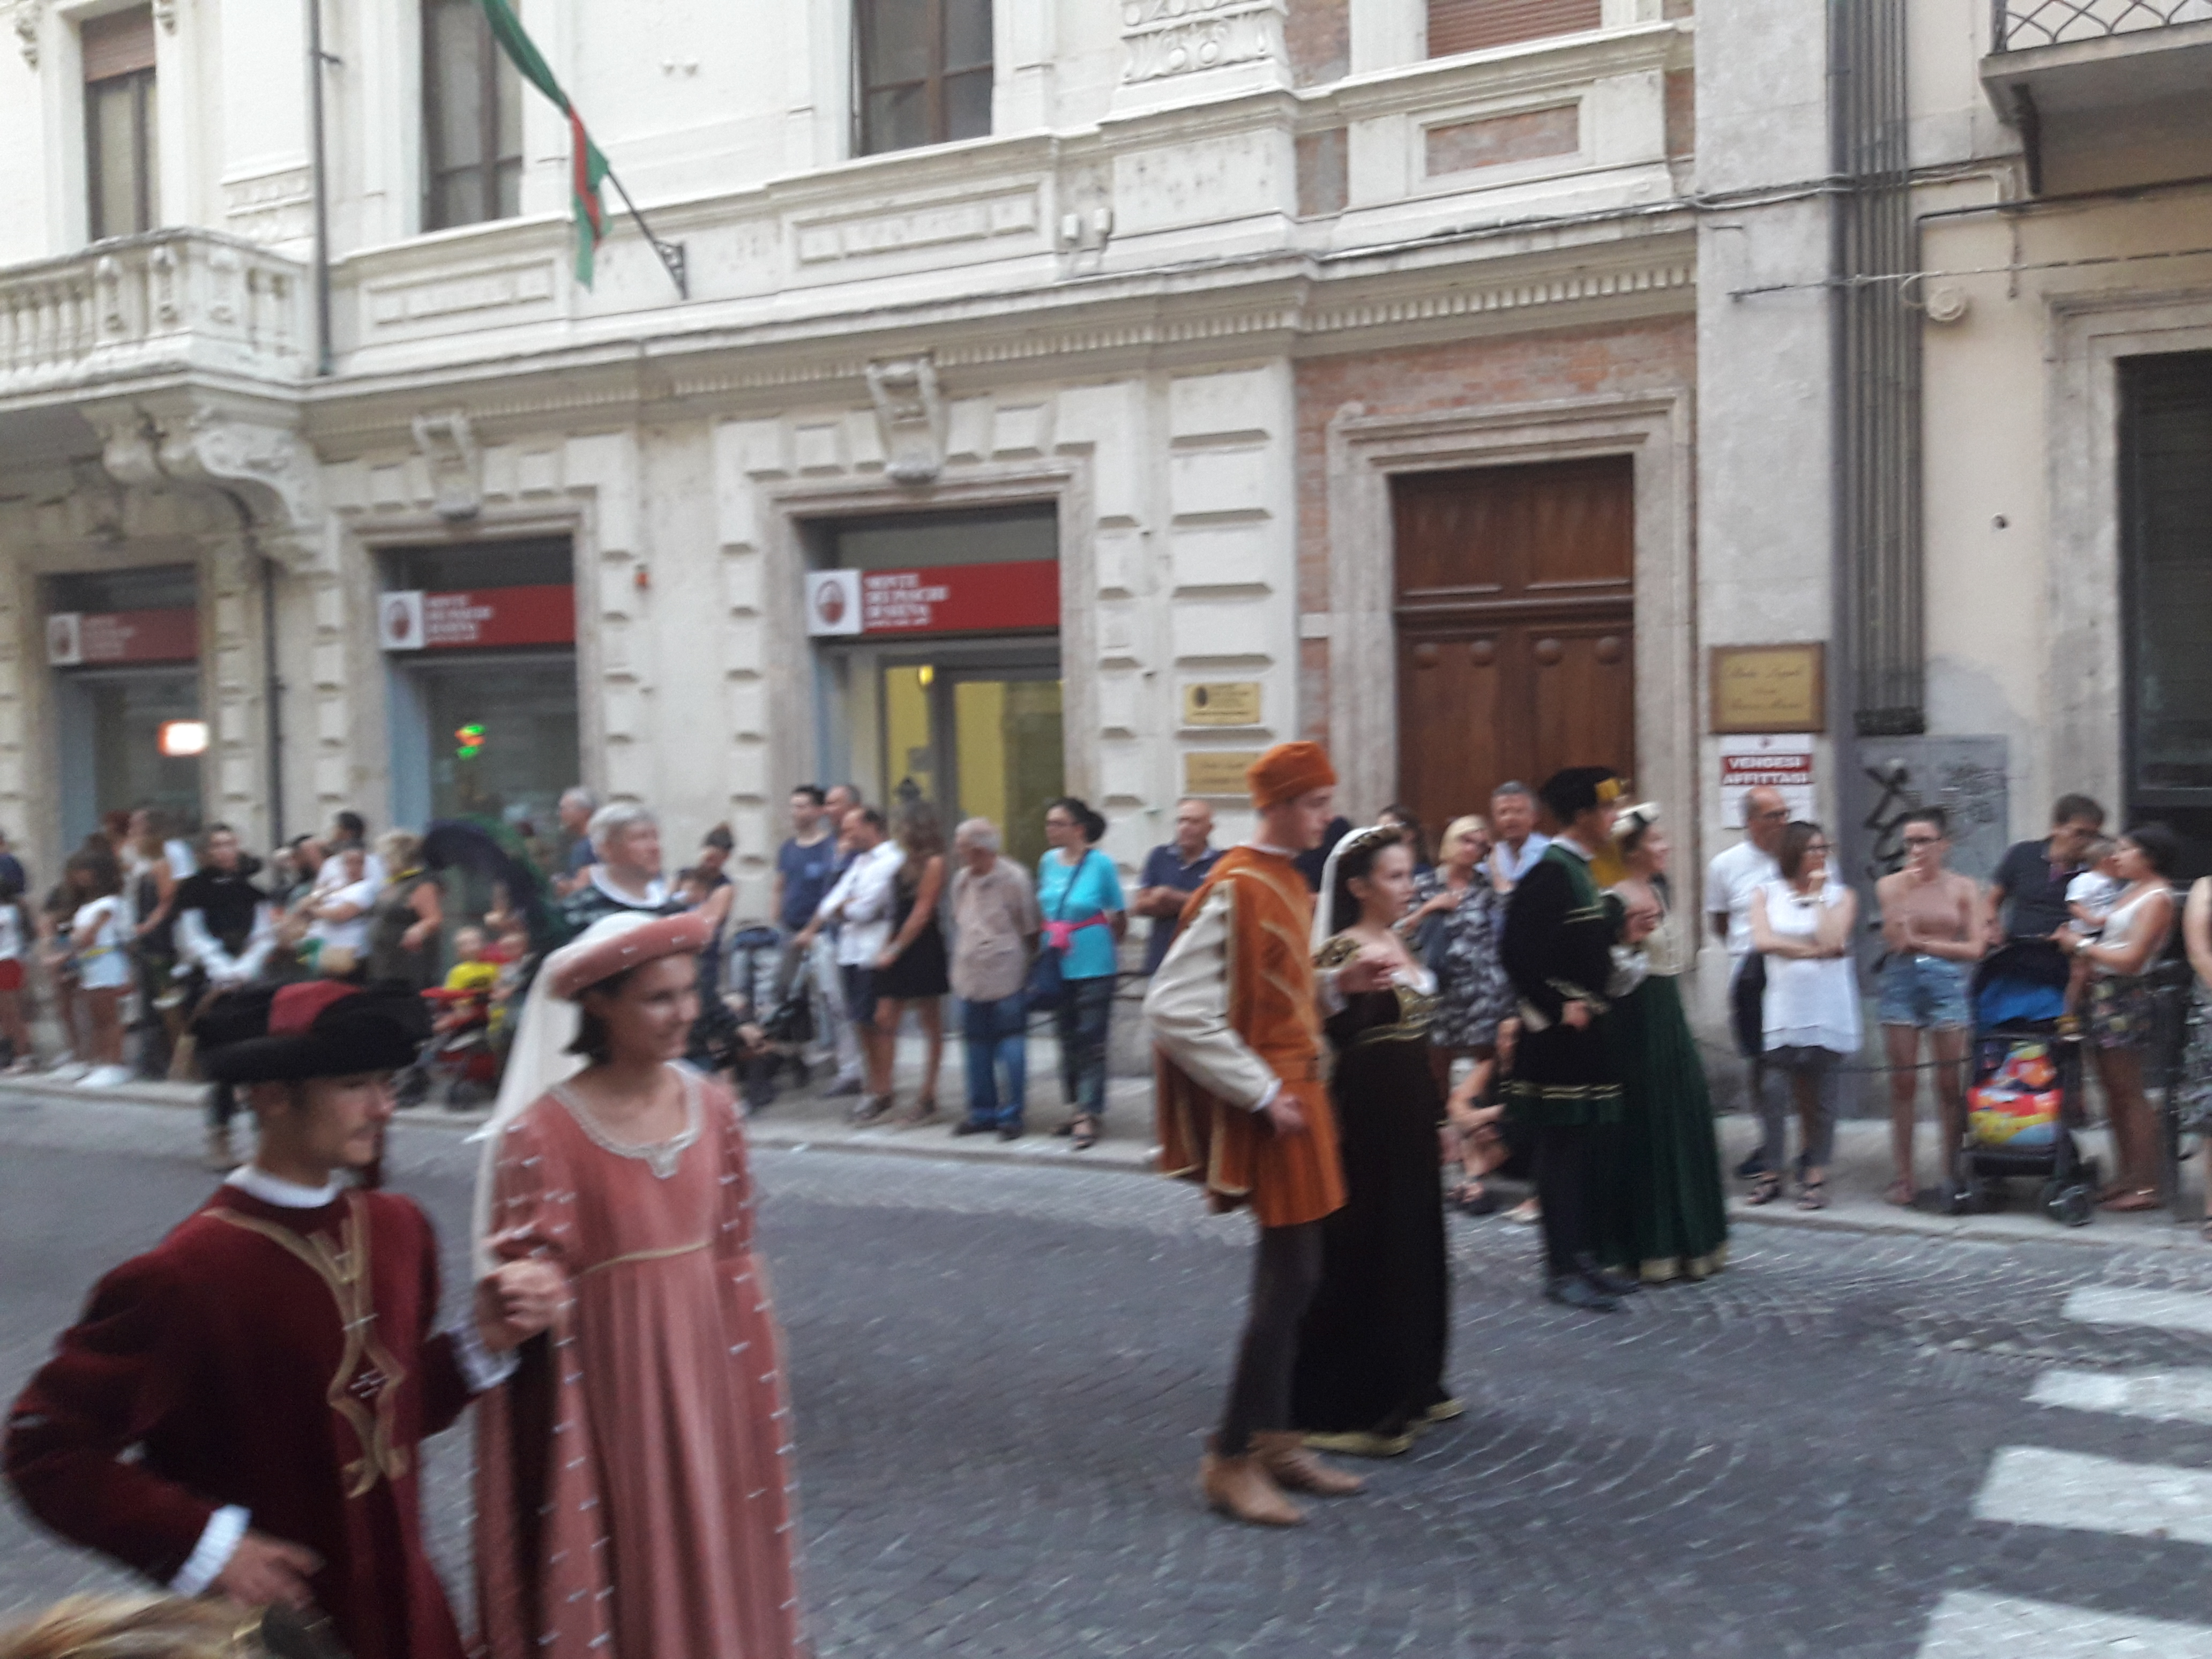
(100,939)
(2094,894)
(352,934)
(1731,878)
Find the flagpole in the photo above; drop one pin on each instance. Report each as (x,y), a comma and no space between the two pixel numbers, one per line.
(671,253)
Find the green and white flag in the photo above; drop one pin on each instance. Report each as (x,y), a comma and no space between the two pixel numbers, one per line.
(587,167)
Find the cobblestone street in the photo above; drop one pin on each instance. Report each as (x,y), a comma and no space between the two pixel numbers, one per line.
(1846,1445)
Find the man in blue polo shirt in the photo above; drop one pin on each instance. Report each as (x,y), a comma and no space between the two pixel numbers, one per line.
(807,867)
(1173,873)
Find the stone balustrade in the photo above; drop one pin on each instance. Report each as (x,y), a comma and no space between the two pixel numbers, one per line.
(165,302)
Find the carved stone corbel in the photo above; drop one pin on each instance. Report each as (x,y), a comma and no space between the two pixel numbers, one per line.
(449,447)
(29,13)
(253,454)
(910,416)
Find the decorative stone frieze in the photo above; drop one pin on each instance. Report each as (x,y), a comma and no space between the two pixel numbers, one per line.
(1165,38)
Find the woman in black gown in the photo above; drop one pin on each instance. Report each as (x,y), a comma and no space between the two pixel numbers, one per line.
(1371,1360)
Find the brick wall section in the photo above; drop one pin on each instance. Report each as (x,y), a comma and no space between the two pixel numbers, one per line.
(1623,359)
(1496,140)
(1671,10)
(1319,35)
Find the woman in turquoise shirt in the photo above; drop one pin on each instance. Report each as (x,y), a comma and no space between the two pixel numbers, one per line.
(1084,917)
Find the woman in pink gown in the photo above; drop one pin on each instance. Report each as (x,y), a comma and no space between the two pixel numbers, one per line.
(634,1482)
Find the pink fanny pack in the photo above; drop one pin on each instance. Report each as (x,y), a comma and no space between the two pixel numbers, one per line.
(1061,935)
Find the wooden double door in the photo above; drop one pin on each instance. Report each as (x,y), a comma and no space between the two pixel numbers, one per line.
(1516,628)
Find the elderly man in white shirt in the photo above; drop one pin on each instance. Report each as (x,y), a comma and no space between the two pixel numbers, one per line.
(1517,842)
(861,905)
(1732,880)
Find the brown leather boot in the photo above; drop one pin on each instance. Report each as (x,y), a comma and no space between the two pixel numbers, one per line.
(1282,1454)
(1240,1488)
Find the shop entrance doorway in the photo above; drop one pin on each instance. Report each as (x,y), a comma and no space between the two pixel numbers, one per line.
(495,739)
(977,740)
(129,738)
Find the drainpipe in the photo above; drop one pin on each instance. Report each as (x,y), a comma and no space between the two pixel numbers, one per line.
(272,685)
(320,171)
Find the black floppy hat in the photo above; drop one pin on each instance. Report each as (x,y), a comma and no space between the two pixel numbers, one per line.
(315,1028)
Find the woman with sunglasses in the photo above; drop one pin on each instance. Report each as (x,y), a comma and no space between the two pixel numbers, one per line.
(1802,925)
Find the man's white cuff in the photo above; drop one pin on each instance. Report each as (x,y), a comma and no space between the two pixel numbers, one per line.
(481,1369)
(218,1543)
(1268,1095)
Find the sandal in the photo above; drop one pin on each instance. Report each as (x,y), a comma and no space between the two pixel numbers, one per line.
(1813,1195)
(2133,1199)
(921,1112)
(1472,1198)
(1900,1193)
(1765,1189)
(1085,1132)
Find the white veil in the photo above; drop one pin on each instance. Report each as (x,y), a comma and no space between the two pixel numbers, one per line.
(1325,901)
(539,1056)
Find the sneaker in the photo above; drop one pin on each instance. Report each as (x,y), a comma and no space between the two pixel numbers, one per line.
(844,1085)
(106,1077)
(68,1070)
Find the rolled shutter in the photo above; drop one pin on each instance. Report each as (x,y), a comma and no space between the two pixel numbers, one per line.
(121,43)
(1470,25)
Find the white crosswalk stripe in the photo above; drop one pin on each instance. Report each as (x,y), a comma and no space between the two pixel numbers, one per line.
(2038,1486)
(2183,1396)
(2165,1310)
(1970,1624)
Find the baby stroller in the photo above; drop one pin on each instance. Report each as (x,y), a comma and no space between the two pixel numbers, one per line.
(460,1052)
(762,1022)
(2024,1097)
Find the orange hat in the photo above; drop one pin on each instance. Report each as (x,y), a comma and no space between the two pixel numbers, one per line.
(1287,771)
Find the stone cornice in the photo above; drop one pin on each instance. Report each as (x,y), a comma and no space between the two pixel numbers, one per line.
(1294,304)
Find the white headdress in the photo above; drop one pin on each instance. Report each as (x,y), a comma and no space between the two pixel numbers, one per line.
(1325,902)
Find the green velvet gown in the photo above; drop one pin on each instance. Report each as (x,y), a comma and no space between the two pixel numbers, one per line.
(1661,1214)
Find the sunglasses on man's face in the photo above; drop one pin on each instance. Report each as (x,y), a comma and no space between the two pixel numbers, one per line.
(1922,840)
(1770,815)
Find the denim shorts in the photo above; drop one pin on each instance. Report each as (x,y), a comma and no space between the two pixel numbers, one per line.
(1923,991)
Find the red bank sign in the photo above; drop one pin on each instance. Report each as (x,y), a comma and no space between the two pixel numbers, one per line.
(952,599)
(77,639)
(414,620)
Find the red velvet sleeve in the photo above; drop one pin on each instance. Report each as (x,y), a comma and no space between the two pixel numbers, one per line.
(120,1375)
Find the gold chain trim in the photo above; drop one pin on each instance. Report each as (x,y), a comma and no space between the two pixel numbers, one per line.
(646,1256)
(344,1273)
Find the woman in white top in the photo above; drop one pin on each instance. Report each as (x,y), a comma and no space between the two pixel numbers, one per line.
(1803,925)
(341,916)
(100,941)
(2121,1014)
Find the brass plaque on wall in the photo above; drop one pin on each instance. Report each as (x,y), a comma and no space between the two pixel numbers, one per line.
(1217,771)
(1221,702)
(1769,687)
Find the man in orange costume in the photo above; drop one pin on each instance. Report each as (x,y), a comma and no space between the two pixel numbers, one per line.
(1236,1011)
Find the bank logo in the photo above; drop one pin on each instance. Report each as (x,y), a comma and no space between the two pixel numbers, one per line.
(399,621)
(64,640)
(833,602)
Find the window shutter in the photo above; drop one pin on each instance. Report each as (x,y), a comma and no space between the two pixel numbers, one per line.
(121,43)
(1471,25)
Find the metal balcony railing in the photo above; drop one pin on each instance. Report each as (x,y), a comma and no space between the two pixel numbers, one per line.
(2020,24)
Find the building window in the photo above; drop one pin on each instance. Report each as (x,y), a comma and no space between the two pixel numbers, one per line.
(1470,25)
(925,72)
(472,120)
(119,112)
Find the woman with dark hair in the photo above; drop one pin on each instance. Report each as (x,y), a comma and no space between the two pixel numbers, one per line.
(1802,925)
(1394,817)
(633,1479)
(1079,894)
(2121,1012)
(1664,1217)
(1369,1370)
(914,972)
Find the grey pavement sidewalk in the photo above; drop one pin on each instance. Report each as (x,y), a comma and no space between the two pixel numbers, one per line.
(810,1118)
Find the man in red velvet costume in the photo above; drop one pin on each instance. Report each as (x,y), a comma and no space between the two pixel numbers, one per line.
(1235,1010)
(274,1363)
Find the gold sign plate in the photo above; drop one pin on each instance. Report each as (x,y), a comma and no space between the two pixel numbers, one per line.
(1217,771)
(1770,688)
(1221,702)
